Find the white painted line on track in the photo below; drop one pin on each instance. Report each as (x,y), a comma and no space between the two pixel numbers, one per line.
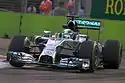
(4,65)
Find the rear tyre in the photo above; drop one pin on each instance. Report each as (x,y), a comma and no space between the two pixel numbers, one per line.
(18,44)
(86,51)
(112,54)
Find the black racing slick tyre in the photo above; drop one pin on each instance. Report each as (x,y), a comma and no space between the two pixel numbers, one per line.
(18,44)
(112,54)
(86,51)
(16,64)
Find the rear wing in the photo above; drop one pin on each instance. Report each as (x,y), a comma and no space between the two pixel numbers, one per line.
(80,23)
(86,24)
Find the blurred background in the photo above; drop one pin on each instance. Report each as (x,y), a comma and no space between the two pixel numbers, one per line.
(48,7)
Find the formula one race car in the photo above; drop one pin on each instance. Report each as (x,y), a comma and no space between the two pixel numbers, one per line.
(71,52)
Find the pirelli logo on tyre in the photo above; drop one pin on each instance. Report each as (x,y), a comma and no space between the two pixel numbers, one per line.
(108,9)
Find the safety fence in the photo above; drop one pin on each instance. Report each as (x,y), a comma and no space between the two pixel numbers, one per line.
(22,5)
(10,5)
(17,5)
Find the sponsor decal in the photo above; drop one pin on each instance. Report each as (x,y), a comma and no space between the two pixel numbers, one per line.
(89,23)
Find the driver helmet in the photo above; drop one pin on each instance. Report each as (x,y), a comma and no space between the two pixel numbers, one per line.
(67,36)
(67,31)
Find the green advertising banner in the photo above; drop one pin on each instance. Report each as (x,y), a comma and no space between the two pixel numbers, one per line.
(108,9)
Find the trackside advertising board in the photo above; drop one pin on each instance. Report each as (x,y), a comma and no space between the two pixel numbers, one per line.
(108,9)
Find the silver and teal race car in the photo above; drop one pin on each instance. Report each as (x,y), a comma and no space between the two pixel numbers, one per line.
(69,51)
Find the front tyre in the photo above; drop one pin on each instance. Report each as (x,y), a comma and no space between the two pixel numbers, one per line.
(86,51)
(18,44)
(15,63)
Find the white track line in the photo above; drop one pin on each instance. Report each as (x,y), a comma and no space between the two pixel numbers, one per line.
(4,65)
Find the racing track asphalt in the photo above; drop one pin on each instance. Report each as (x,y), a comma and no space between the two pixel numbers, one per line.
(31,74)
